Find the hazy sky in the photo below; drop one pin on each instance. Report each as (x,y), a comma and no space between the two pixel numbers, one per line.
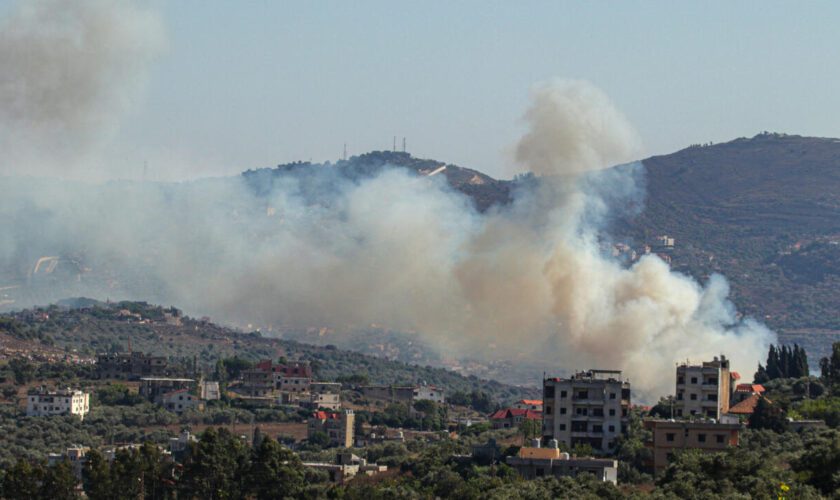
(250,84)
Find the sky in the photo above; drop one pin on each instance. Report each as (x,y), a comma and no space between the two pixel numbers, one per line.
(240,85)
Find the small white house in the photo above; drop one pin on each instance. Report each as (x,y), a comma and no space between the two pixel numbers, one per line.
(429,392)
(60,402)
(180,401)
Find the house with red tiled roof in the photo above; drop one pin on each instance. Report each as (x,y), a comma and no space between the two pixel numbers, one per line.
(529,404)
(747,406)
(337,426)
(744,391)
(510,418)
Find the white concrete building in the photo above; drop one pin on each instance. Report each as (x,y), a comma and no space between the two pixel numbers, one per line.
(703,390)
(591,407)
(180,401)
(429,392)
(60,402)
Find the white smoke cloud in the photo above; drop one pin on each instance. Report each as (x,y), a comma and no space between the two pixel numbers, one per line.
(574,128)
(70,71)
(526,281)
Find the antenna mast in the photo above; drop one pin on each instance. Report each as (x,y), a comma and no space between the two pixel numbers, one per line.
(403,144)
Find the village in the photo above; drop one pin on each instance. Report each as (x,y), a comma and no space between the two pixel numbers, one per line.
(574,429)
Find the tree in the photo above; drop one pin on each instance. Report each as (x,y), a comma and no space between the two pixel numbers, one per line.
(274,472)
(23,480)
(215,466)
(830,367)
(96,477)
(59,482)
(530,428)
(22,370)
(768,416)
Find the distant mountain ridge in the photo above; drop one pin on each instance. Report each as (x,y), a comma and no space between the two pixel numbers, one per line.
(763,211)
(483,189)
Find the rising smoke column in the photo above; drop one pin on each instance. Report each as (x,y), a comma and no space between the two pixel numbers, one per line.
(528,281)
(70,71)
(542,284)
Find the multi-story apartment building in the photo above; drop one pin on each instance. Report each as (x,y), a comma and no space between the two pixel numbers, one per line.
(288,377)
(590,408)
(339,427)
(129,365)
(61,402)
(257,383)
(669,436)
(703,390)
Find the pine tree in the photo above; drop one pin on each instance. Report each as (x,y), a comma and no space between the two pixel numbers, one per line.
(784,362)
(760,376)
(773,370)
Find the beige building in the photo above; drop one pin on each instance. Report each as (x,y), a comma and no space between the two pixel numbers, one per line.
(668,436)
(61,402)
(703,390)
(339,427)
(324,401)
(347,466)
(533,462)
(591,407)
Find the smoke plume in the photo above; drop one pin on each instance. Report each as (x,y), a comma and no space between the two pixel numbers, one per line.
(70,72)
(311,246)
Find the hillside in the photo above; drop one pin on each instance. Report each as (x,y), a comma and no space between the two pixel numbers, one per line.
(56,332)
(765,212)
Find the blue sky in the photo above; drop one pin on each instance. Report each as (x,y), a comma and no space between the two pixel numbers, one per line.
(249,84)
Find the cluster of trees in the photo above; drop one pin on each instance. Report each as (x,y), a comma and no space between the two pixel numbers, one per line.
(476,399)
(219,465)
(783,362)
(426,415)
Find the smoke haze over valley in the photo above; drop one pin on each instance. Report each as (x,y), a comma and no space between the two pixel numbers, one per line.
(344,247)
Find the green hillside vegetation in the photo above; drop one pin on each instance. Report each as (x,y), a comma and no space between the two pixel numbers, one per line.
(101,329)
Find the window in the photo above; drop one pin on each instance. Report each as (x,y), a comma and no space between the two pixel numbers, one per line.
(693,380)
(701,438)
(712,397)
(612,395)
(562,411)
(597,428)
(597,412)
(680,380)
(562,427)
(583,395)
(562,394)
(548,392)
(719,438)
(612,412)
(694,397)
(611,428)
(580,411)
(679,413)
(680,396)
(548,410)
(670,437)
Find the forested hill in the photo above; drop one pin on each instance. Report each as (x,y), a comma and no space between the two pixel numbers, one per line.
(317,177)
(765,212)
(87,327)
